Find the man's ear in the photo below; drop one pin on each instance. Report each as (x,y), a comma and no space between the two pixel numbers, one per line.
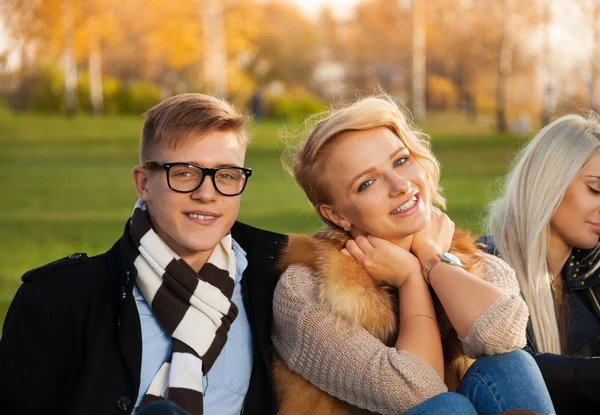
(328,212)
(140,179)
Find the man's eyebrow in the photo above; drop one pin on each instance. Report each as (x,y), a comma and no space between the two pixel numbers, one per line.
(372,169)
(216,166)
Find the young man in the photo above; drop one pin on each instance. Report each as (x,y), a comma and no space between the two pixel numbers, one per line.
(179,308)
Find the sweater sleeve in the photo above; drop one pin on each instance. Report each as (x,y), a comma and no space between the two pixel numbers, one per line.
(342,359)
(501,327)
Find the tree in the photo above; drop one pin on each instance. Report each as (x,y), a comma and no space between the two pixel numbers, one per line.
(68,55)
(548,99)
(285,48)
(379,46)
(507,44)
(595,58)
(419,74)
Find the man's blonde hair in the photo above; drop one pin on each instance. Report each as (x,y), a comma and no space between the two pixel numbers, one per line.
(172,121)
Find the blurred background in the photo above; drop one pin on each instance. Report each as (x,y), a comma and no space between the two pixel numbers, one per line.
(480,76)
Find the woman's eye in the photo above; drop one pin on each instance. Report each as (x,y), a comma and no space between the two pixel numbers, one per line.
(364,185)
(400,161)
(594,191)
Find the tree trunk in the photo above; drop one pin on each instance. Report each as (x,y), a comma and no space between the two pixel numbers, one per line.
(96,91)
(595,61)
(504,66)
(419,73)
(94,23)
(69,63)
(215,59)
(548,102)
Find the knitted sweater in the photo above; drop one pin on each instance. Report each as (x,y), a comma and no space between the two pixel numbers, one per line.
(347,362)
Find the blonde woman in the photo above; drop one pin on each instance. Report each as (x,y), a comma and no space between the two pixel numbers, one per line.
(546,226)
(355,322)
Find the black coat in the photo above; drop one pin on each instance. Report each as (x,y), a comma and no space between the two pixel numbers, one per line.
(573,379)
(71,342)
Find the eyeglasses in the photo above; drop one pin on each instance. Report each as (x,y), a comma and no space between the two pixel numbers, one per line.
(185,177)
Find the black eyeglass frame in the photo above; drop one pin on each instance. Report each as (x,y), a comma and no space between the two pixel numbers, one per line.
(206,171)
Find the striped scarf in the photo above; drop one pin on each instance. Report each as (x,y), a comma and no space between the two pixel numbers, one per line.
(195,308)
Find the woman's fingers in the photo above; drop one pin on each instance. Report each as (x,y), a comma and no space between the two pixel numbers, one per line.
(363,243)
(375,241)
(353,249)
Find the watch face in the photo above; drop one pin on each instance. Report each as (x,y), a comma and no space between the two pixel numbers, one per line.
(450,258)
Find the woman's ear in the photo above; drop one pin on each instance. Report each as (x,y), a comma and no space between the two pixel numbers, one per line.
(329,213)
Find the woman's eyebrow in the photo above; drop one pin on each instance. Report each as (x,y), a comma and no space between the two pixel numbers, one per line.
(371,169)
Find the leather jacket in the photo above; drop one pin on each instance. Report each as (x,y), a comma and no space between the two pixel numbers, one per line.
(573,379)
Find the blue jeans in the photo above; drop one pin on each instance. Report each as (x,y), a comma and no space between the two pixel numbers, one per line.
(494,384)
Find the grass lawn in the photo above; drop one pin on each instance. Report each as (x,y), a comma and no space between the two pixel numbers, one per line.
(65,185)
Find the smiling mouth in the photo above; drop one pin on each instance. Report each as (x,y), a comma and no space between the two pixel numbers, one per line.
(201,217)
(406,205)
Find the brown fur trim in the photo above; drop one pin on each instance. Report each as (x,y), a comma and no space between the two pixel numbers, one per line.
(346,288)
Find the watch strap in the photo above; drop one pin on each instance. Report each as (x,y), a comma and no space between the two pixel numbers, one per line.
(436,259)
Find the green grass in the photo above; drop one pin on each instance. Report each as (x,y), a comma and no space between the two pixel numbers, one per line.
(65,185)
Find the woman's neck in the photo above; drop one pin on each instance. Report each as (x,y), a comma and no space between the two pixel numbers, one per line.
(558,253)
(405,243)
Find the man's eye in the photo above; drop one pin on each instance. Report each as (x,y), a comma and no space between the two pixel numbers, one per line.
(181,173)
(228,174)
(364,185)
(400,161)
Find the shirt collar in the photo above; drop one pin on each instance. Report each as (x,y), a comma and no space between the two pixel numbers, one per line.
(241,261)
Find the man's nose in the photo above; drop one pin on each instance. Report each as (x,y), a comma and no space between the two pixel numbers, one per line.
(206,191)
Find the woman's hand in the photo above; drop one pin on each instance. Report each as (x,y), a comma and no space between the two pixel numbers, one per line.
(434,238)
(383,260)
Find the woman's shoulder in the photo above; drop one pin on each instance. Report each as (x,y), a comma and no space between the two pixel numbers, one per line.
(488,244)
(498,272)
(297,280)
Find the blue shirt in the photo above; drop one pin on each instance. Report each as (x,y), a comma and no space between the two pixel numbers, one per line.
(226,384)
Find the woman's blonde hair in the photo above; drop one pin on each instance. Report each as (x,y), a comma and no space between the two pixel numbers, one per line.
(309,158)
(520,218)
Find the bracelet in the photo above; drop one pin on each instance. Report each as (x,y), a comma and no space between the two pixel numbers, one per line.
(445,257)
(421,315)
(428,266)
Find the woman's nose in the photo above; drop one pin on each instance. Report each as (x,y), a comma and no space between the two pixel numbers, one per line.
(399,184)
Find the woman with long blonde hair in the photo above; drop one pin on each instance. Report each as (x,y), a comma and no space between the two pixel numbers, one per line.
(356,327)
(546,226)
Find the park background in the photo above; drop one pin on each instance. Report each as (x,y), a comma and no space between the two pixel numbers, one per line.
(479,76)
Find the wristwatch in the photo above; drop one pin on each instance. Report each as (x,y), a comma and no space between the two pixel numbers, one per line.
(445,257)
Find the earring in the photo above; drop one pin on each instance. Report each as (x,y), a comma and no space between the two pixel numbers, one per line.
(347,229)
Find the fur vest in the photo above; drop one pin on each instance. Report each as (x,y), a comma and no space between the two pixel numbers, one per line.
(346,288)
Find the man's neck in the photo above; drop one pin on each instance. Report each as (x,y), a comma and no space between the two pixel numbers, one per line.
(197,260)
